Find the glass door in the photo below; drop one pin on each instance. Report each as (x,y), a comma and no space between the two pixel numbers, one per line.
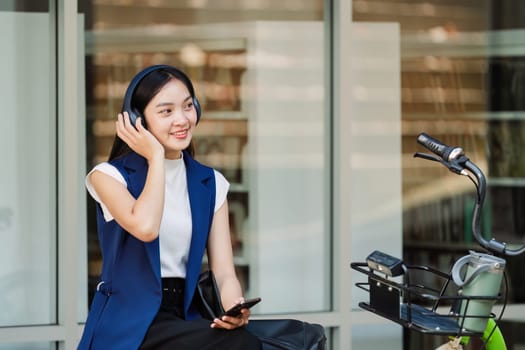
(28,180)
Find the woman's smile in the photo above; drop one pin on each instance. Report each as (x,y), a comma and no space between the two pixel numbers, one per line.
(180,134)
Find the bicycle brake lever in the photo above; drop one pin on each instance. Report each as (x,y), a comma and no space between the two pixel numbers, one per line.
(453,165)
(428,157)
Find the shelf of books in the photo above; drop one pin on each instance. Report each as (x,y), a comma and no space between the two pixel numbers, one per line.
(254,90)
(466,91)
(216,69)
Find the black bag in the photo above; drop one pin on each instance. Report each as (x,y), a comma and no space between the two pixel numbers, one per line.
(283,334)
(207,296)
(288,334)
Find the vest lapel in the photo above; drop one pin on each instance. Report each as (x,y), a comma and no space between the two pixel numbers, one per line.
(202,206)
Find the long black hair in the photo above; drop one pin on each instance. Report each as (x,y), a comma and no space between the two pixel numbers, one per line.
(146,89)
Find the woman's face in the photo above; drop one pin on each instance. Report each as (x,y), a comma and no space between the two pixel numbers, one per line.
(171,117)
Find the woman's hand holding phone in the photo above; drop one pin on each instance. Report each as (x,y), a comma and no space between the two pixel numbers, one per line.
(236,316)
(235,311)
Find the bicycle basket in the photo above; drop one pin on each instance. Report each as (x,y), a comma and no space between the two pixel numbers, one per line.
(418,306)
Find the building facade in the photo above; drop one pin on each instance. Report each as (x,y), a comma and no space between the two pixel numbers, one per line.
(311,110)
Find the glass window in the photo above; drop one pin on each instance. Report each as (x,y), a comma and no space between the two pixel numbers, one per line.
(260,74)
(28,177)
(29,346)
(462,73)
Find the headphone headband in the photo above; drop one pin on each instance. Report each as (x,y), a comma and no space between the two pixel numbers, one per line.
(134,114)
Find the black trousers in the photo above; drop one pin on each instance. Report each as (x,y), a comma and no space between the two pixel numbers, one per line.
(169,330)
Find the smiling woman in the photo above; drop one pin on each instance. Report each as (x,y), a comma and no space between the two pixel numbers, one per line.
(172,118)
(159,211)
(256,82)
(167,96)
(259,70)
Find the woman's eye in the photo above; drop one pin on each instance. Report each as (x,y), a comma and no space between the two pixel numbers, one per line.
(188,106)
(165,112)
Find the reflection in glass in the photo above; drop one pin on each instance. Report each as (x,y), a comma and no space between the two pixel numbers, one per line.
(28,346)
(28,178)
(462,82)
(259,73)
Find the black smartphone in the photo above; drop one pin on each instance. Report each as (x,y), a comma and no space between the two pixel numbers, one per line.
(236,309)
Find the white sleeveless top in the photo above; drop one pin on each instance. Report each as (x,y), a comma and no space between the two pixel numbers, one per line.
(175,227)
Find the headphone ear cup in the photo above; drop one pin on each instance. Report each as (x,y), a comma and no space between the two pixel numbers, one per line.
(197,105)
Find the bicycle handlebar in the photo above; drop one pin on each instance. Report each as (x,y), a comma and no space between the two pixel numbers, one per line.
(455,160)
(445,152)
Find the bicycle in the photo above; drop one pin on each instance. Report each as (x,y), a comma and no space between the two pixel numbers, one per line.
(469,291)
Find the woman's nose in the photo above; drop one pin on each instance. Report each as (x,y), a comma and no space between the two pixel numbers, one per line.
(180,117)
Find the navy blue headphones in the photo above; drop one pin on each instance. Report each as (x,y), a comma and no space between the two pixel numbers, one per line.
(133,113)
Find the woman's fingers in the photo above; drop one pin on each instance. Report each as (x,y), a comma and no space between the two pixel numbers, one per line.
(138,138)
(138,125)
(230,322)
(122,132)
(127,132)
(227,322)
(128,126)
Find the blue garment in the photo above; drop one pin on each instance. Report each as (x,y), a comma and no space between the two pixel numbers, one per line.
(130,292)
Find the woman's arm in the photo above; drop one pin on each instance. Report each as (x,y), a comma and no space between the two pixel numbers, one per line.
(220,257)
(141,217)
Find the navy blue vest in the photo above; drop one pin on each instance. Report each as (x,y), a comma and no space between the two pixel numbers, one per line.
(129,294)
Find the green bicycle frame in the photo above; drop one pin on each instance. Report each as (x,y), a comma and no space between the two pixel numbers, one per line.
(492,337)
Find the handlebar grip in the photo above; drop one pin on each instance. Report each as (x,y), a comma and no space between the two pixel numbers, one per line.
(435,146)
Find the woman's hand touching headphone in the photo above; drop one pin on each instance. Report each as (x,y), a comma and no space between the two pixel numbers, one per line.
(138,138)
